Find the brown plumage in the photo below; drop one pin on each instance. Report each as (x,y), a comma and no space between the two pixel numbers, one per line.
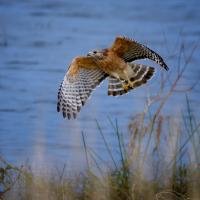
(131,50)
(86,72)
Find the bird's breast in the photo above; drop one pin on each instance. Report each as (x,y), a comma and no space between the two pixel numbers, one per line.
(112,64)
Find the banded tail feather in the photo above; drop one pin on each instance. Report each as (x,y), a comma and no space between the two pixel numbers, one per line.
(138,75)
(115,86)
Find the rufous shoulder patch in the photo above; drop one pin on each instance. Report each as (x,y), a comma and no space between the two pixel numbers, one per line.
(81,62)
(121,45)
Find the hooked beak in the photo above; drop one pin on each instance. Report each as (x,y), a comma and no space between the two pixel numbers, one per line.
(89,54)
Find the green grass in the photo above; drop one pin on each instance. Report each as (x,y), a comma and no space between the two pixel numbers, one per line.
(161,160)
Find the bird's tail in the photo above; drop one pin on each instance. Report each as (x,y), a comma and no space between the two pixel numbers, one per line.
(138,75)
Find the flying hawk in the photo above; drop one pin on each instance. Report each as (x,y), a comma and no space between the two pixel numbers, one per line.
(114,63)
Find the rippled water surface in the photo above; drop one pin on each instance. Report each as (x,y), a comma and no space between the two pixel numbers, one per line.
(38,39)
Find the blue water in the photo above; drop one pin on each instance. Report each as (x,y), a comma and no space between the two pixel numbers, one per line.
(38,39)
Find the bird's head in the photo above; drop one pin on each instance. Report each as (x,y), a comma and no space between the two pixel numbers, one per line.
(97,53)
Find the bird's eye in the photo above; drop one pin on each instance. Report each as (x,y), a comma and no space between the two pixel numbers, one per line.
(94,52)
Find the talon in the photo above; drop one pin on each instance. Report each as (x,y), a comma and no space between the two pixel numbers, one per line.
(126,87)
(130,84)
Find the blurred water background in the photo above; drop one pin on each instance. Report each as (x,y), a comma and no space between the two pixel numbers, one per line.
(39,38)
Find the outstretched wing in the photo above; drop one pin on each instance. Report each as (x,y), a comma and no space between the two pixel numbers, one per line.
(82,77)
(131,50)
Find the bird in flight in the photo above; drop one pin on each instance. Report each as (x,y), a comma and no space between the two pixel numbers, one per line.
(115,63)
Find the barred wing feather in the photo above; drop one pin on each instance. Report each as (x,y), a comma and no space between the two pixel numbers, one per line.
(75,90)
(131,50)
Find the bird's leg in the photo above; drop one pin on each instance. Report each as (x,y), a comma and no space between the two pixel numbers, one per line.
(125,86)
(129,84)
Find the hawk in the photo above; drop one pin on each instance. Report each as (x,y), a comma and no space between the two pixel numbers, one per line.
(114,63)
